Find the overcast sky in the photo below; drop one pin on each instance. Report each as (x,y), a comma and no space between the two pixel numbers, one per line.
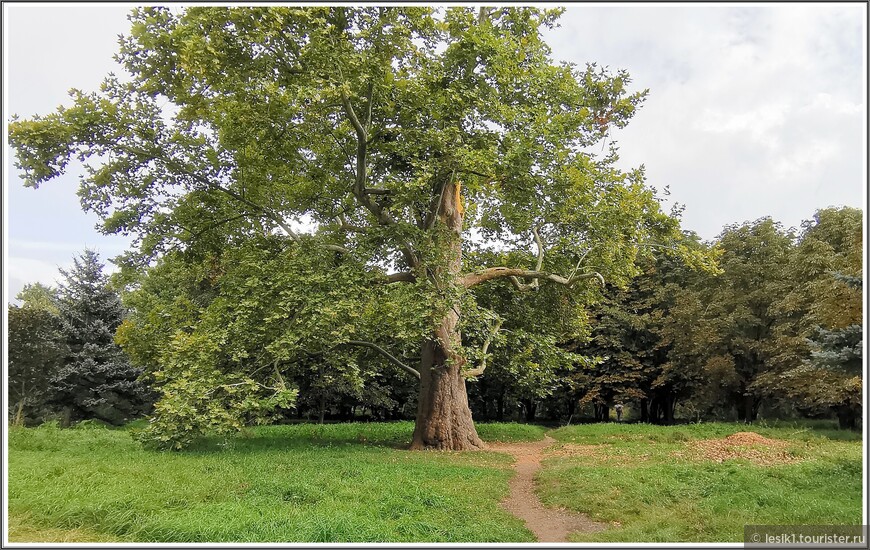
(754,110)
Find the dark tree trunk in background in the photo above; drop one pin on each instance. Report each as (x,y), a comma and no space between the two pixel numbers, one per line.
(602,413)
(747,409)
(530,407)
(644,414)
(655,409)
(322,409)
(672,405)
(500,407)
(847,417)
(443,416)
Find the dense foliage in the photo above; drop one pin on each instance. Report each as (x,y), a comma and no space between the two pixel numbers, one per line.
(36,351)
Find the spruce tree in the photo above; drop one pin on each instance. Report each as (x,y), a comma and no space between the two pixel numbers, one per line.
(96,379)
(839,350)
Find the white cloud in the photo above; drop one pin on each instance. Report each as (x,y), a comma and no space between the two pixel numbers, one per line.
(22,271)
(760,124)
(752,111)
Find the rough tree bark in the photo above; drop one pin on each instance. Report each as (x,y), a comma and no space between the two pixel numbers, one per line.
(443,416)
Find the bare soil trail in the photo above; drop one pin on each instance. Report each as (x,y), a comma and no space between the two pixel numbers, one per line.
(548,524)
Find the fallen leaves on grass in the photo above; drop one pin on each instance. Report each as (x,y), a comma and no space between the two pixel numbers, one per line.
(603,453)
(571,450)
(750,446)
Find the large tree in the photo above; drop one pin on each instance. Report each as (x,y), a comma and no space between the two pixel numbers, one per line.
(735,315)
(396,134)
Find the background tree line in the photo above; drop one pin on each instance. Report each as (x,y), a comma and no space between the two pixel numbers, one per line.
(63,359)
(777,331)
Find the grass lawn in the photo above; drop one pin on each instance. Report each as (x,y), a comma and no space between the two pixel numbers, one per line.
(331,483)
(356,483)
(649,484)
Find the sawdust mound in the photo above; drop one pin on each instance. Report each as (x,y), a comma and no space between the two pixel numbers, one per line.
(752,438)
(743,445)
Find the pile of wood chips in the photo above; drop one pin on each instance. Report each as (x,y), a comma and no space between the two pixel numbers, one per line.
(741,445)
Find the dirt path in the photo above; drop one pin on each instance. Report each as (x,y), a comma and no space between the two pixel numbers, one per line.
(548,524)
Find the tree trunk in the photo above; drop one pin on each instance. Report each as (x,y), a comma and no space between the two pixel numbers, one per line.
(530,408)
(669,412)
(847,417)
(322,409)
(499,414)
(19,414)
(602,413)
(654,411)
(66,417)
(741,412)
(644,415)
(748,409)
(443,416)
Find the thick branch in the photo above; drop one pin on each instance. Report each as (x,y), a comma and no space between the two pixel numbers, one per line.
(385,353)
(475,173)
(536,282)
(370,102)
(540,244)
(482,15)
(359,187)
(482,367)
(336,248)
(471,279)
(345,226)
(401,277)
(351,114)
